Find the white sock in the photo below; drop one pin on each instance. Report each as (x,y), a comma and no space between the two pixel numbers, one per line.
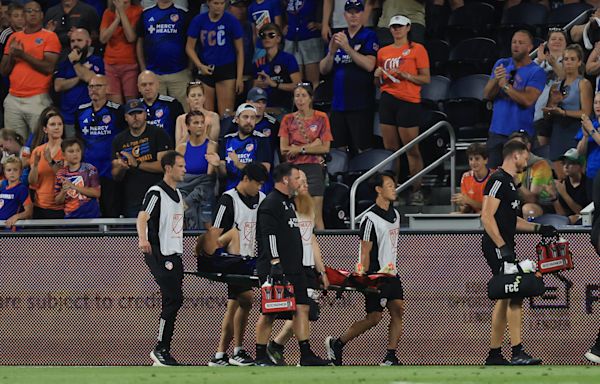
(236,350)
(219,355)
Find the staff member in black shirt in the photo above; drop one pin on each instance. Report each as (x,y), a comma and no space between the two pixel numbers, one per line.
(160,232)
(499,216)
(593,354)
(280,252)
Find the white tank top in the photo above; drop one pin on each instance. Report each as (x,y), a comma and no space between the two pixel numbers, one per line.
(170,228)
(245,221)
(387,239)
(306,225)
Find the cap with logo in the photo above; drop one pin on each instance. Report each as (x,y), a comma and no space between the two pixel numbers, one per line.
(399,20)
(354,4)
(244,107)
(134,105)
(573,156)
(256,94)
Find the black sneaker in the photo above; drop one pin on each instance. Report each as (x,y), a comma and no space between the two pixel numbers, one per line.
(264,362)
(219,362)
(389,361)
(242,359)
(312,360)
(522,358)
(496,360)
(275,354)
(334,350)
(161,357)
(593,355)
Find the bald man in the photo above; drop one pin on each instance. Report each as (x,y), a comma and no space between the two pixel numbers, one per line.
(73,76)
(162,110)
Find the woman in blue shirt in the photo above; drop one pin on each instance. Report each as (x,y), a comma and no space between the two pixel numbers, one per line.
(589,144)
(215,46)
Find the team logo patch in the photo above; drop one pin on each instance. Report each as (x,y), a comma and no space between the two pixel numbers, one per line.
(406,52)
(169,265)
(106,119)
(78,182)
(277,69)
(39,41)
(177,224)
(174,17)
(375,46)
(249,147)
(159,113)
(1,203)
(267,132)
(313,127)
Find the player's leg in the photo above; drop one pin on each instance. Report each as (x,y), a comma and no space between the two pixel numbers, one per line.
(264,327)
(240,321)
(515,325)
(395,305)
(221,359)
(593,354)
(275,348)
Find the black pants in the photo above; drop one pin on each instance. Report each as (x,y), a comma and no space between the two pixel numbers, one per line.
(110,198)
(168,274)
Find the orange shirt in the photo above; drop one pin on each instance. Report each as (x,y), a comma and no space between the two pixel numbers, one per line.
(24,80)
(407,59)
(473,188)
(118,49)
(301,132)
(44,189)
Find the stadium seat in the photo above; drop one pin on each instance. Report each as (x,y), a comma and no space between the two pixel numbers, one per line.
(434,146)
(471,56)
(336,205)
(369,159)
(472,19)
(466,107)
(435,92)
(529,16)
(564,14)
(439,51)
(337,163)
(323,96)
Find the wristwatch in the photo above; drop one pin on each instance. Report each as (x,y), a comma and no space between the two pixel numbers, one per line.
(303,151)
(506,87)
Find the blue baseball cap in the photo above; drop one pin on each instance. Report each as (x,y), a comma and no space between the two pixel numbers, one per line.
(134,105)
(354,4)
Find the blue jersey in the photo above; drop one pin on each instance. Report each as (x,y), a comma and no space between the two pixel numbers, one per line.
(12,199)
(163,113)
(263,14)
(98,129)
(508,116)
(215,39)
(353,87)
(269,127)
(593,153)
(279,70)
(74,97)
(163,31)
(252,148)
(299,14)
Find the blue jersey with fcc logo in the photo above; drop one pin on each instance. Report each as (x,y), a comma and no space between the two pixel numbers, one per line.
(163,31)
(252,148)
(98,129)
(353,87)
(163,113)
(215,38)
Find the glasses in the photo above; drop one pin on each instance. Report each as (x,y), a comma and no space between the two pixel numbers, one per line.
(32,10)
(96,86)
(269,35)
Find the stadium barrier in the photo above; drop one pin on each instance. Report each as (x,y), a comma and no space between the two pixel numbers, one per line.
(90,300)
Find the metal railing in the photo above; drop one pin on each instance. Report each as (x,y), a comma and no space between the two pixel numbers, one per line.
(103,225)
(451,154)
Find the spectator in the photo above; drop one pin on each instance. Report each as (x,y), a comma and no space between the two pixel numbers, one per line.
(277,72)
(589,144)
(414,10)
(239,9)
(303,38)
(514,86)
(39,137)
(63,18)
(15,203)
(155,37)
(136,157)
(182,4)
(29,60)
(198,184)
(215,47)
(241,147)
(536,186)
(117,31)
(261,13)
(162,110)
(16,19)
(585,32)
(11,143)
(549,58)
(73,75)
(98,123)
(353,101)
(45,161)
(592,66)
(333,13)
(195,102)
(401,70)
(572,194)
(472,183)
(574,96)
(305,138)
(4,22)
(77,185)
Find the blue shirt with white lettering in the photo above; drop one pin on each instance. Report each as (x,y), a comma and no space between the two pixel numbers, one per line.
(163,113)
(508,115)
(252,148)
(164,34)
(353,87)
(299,14)
(262,14)
(12,199)
(98,129)
(215,38)
(74,97)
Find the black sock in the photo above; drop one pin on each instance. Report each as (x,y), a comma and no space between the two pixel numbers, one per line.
(516,349)
(304,347)
(261,351)
(338,343)
(495,352)
(390,353)
(597,345)
(277,345)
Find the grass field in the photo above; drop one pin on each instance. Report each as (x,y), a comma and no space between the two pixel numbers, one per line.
(292,375)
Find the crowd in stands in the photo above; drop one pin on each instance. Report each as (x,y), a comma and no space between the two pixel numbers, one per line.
(94,92)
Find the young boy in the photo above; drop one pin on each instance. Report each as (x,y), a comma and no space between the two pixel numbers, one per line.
(473,181)
(15,203)
(77,184)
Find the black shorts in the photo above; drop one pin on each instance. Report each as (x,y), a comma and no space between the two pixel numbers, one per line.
(316,178)
(234,290)
(394,291)
(399,113)
(312,281)
(491,254)
(220,73)
(352,129)
(543,127)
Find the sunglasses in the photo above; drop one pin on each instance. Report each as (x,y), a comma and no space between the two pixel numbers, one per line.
(267,35)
